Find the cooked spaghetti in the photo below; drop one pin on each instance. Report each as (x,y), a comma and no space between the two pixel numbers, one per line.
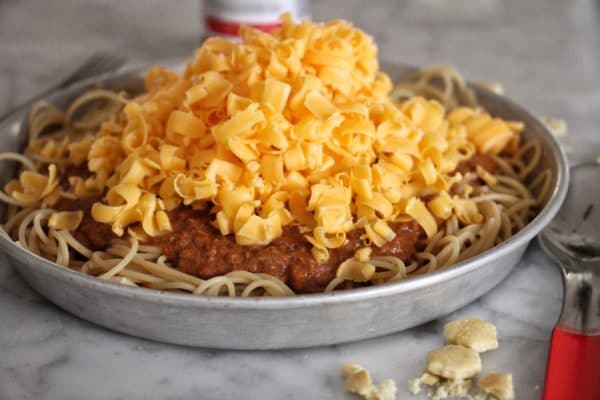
(278,165)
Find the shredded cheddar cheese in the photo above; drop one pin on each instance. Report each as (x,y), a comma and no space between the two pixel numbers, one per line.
(68,220)
(292,126)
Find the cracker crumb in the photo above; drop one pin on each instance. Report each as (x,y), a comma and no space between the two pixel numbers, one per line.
(429,379)
(414,386)
(500,385)
(358,380)
(473,333)
(556,126)
(453,362)
(384,390)
(452,388)
(449,369)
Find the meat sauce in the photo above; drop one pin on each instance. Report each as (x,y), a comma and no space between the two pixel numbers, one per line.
(92,234)
(483,160)
(194,246)
(199,249)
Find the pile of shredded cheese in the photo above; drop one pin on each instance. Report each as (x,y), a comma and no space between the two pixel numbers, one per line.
(291,126)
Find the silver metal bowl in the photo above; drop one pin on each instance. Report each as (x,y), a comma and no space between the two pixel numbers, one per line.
(286,322)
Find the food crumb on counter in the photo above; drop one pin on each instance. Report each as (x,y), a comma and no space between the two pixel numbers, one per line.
(556,126)
(450,369)
(358,380)
(472,333)
(453,362)
(414,386)
(452,388)
(500,385)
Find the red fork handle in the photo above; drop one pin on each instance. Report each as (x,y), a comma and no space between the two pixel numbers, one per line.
(573,370)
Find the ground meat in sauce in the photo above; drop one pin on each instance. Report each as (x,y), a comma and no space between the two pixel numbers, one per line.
(92,234)
(80,171)
(483,160)
(199,249)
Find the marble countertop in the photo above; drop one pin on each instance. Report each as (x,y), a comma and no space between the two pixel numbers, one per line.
(547,55)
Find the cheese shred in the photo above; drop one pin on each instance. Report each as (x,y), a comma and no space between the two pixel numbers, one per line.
(297,125)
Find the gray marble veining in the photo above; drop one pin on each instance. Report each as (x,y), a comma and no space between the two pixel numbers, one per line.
(546,53)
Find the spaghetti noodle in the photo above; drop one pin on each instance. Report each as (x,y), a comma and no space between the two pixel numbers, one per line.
(291,135)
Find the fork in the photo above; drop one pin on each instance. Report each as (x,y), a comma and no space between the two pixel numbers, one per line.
(94,65)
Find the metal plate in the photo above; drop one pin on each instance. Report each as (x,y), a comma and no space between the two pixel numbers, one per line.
(287,322)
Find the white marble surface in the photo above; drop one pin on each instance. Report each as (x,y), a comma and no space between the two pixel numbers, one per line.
(547,54)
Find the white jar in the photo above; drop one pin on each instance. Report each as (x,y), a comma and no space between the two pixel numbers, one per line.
(224,17)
